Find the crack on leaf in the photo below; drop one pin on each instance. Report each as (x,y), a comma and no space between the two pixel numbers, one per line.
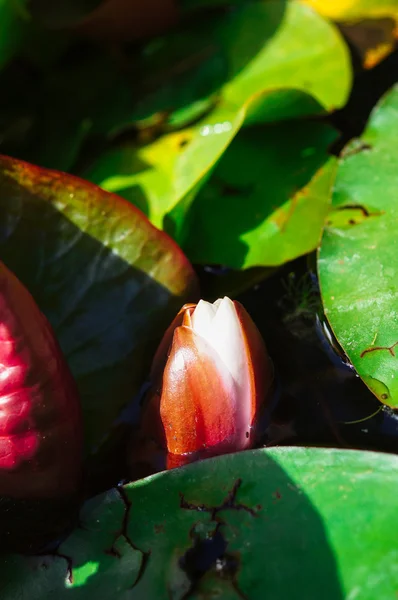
(391,349)
(365,211)
(210,553)
(69,566)
(228,503)
(124,534)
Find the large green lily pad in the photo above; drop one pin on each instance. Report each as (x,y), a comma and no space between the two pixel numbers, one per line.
(158,175)
(238,53)
(279,523)
(275,61)
(269,195)
(107,280)
(358,255)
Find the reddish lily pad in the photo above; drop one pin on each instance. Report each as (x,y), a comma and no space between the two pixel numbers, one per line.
(107,280)
(41,439)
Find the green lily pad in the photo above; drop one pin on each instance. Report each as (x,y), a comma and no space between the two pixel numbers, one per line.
(302,51)
(169,172)
(265,522)
(358,259)
(278,60)
(269,195)
(166,170)
(106,279)
(239,53)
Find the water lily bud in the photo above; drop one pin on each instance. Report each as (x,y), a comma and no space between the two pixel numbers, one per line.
(40,418)
(212,374)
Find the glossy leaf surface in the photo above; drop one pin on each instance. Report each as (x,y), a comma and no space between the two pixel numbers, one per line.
(158,175)
(269,195)
(106,279)
(253,78)
(358,255)
(235,54)
(221,522)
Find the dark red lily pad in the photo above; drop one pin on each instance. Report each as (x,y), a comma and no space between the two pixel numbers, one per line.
(41,439)
(107,280)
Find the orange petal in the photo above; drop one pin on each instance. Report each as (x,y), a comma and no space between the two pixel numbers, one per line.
(160,358)
(198,404)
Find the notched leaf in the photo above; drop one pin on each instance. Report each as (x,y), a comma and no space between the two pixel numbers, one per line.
(355,147)
(351,214)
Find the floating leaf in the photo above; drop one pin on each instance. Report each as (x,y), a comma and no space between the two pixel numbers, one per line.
(169,172)
(269,195)
(263,83)
(106,279)
(358,259)
(166,170)
(238,53)
(301,52)
(243,525)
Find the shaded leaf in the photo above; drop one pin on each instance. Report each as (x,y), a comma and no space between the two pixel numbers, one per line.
(166,170)
(13,19)
(241,52)
(62,14)
(221,521)
(303,52)
(358,260)
(102,105)
(171,170)
(269,196)
(107,280)
(259,70)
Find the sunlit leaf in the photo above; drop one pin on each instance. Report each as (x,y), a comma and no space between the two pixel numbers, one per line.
(238,53)
(244,525)
(269,196)
(358,258)
(262,83)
